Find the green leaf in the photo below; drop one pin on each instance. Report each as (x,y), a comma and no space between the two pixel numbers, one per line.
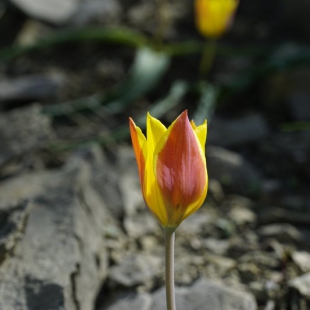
(206,105)
(148,68)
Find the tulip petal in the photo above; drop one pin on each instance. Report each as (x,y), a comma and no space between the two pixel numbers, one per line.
(154,131)
(180,168)
(201,133)
(214,16)
(138,141)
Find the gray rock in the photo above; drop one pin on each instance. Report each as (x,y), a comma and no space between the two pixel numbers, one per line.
(302,260)
(206,295)
(226,133)
(53,11)
(23,130)
(282,232)
(107,11)
(141,301)
(135,270)
(301,284)
(299,104)
(31,88)
(233,171)
(57,257)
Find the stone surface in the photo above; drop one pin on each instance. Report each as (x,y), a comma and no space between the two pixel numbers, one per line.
(301,284)
(31,87)
(302,260)
(135,270)
(53,11)
(282,232)
(88,12)
(52,239)
(23,130)
(206,295)
(233,171)
(226,133)
(132,301)
(299,104)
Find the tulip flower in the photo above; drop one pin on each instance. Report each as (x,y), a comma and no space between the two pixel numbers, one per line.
(213,17)
(172,167)
(173,176)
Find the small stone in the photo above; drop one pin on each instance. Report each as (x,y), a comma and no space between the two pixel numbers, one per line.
(53,11)
(89,12)
(227,133)
(234,173)
(141,224)
(206,295)
(23,130)
(248,272)
(242,216)
(135,270)
(302,260)
(216,246)
(282,232)
(31,88)
(132,301)
(301,284)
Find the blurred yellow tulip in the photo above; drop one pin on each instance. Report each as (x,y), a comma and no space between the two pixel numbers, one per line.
(213,17)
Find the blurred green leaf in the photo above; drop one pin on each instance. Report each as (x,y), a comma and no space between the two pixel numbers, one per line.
(148,68)
(108,35)
(206,104)
(176,93)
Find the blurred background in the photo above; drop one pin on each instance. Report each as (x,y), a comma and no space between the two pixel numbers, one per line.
(74,230)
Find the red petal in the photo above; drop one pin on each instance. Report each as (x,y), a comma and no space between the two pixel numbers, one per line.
(180,168)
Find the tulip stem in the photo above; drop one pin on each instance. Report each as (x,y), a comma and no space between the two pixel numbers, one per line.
(169,266)
(207,58)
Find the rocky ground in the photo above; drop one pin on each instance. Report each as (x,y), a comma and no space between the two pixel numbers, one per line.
(75,233)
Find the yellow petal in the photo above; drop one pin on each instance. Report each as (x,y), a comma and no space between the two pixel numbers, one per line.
(138,141)
(201,133)
(213,17)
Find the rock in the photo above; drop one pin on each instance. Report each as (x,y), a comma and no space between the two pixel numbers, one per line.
(285,233)
(242,216)
(23,130)
(206,295)
(134,270)
(89,12)
(52,11)
(248,272)
(141,224)
(301,284)
(302,260)
(54,249)
(132,301)
(31,88)
(216,246)
(276,215)
(227,133)
(107,184)
(232,171)
(299,105)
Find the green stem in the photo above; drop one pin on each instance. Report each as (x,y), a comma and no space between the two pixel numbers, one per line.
(169,266)
(207,58)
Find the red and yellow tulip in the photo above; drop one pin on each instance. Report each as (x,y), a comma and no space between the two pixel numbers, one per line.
(213,17)
(172,167)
